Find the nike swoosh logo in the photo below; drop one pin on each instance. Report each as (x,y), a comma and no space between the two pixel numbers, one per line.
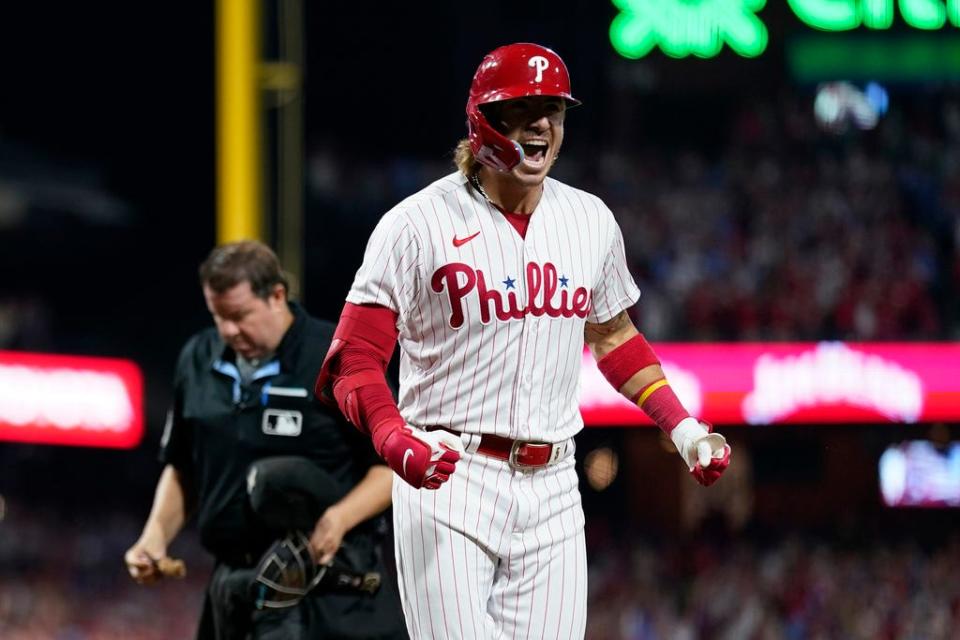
(406,456)
(459,242)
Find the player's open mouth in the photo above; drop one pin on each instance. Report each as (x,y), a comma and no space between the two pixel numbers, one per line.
(535,151)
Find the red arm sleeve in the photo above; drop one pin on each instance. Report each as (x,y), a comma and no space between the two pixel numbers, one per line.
(375,406)
(354,371)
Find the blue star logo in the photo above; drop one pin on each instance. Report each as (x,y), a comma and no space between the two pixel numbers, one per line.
(563,281)
(509,282)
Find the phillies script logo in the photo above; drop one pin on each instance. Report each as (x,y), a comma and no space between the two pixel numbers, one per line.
(544,296)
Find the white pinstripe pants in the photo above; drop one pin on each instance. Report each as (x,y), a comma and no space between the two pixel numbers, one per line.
(494,553)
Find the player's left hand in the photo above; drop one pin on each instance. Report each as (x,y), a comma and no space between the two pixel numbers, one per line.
(707,454)
(327,535)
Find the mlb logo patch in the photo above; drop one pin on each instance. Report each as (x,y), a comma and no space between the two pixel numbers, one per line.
(282,422)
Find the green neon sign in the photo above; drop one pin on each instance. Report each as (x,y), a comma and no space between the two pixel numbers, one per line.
(843,15)
(682,28)
(701,28)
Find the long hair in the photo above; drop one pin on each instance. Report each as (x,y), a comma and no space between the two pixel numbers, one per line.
(464,159)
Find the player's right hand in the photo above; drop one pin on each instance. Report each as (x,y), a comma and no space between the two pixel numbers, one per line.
(424,459)
(142,562)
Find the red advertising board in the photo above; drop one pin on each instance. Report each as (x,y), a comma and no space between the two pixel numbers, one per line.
(70,400)
(779,383)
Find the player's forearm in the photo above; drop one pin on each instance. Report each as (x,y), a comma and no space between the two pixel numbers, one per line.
(637,381)
(169,511)
(628,362)
(353,374)
(371,404)
(369,498)
(604,338)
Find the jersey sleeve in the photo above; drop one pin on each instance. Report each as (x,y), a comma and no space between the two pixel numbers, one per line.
(389,275)
(176,443)
(616,290)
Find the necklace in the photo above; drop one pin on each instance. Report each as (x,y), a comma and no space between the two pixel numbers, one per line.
(474,179)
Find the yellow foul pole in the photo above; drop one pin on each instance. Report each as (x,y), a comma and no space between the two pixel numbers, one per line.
(239,187)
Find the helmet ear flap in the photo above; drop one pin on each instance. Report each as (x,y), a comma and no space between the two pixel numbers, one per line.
(489,146)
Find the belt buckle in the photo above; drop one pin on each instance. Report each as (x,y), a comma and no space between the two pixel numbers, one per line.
(515,449)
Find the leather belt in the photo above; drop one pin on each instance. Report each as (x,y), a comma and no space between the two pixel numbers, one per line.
(520,454)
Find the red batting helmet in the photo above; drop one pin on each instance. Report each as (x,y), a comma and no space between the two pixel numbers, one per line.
(513,71)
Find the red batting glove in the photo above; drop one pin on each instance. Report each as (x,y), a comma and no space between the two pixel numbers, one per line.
(424,459)
(709,473)
(707,454)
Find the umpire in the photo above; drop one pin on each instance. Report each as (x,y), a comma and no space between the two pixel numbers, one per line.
(242,393)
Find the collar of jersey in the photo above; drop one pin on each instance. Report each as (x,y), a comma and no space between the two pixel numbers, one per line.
(230,370)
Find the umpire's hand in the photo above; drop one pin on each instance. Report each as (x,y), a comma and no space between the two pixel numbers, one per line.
(144,560)
(327,535)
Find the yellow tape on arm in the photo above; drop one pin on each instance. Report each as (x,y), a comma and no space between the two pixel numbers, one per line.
(650,389)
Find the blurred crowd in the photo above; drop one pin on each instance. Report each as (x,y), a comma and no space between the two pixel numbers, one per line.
(791,233)
(794,589)
(783,232)
(63,579)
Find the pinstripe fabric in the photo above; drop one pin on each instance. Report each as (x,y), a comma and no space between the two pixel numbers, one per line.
(491,331)
(491,334)
(494,553)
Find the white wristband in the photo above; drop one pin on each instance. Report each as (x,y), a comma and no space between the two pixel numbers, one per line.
(696,444)
(684,435)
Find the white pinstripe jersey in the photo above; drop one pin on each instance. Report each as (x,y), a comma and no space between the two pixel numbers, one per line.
(491,324)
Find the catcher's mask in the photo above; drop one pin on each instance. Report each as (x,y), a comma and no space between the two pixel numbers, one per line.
(513,71)
(286,573)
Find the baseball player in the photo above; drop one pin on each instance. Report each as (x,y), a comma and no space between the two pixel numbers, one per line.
(492,279)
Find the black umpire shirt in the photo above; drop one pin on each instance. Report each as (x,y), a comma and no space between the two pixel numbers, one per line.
(218,426)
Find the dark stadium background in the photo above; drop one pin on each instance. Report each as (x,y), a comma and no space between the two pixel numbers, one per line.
(107,162)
